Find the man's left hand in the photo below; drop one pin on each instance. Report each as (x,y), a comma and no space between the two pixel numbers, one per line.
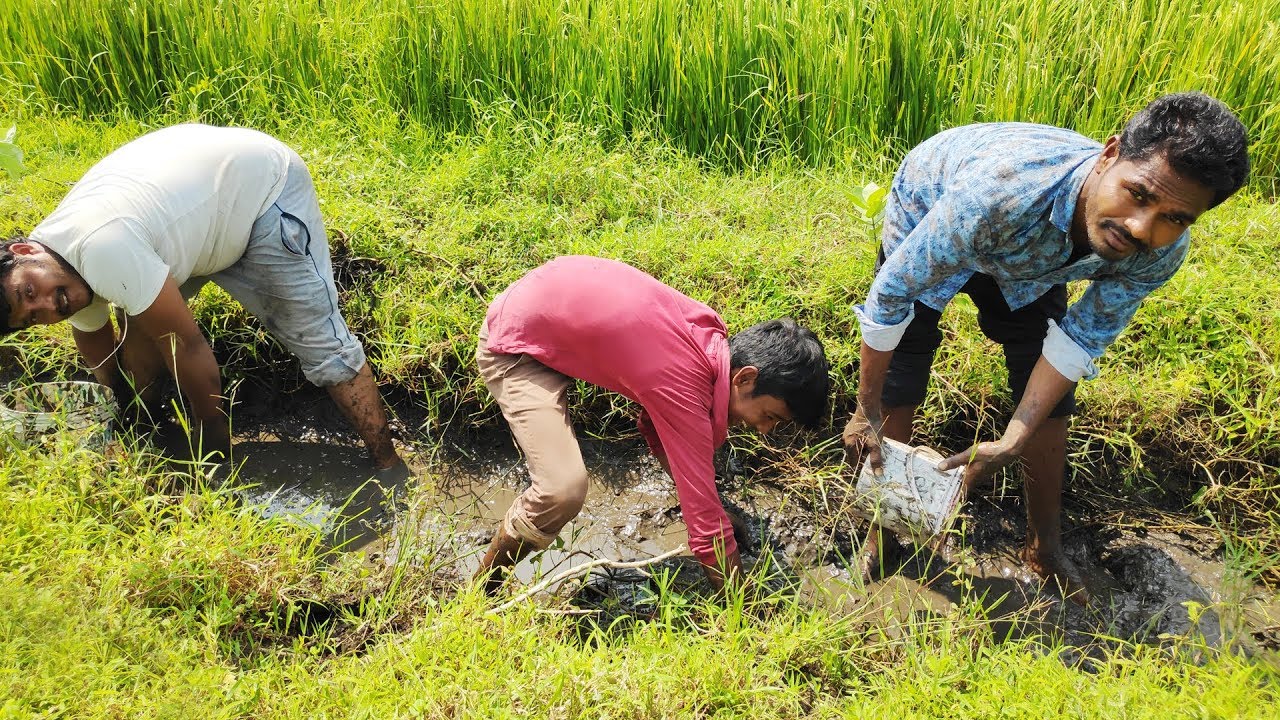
(982,461)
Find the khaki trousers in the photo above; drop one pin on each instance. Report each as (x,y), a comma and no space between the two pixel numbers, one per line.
(533,400)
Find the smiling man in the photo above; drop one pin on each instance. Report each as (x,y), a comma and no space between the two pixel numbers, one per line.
(154,221)
(609,324)
(1008,213)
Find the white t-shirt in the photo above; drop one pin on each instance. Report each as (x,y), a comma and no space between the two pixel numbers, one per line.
(177,202)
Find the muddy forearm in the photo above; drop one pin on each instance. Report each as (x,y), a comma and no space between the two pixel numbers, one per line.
(191,361)
(873,368)
(1045,390)
(196,371)
(729,571)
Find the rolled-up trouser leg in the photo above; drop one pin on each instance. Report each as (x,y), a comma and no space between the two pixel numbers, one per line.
(533,400)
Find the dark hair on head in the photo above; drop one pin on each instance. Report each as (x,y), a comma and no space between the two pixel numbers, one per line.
(1198,136)
(792,365)
(7,261)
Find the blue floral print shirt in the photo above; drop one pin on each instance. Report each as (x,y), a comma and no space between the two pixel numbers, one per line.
(998,198)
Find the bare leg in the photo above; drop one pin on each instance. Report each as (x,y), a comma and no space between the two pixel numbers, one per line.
(1045,457)
(898,422)
(360,402)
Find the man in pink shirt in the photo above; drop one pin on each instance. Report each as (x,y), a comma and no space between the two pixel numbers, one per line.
(611,325)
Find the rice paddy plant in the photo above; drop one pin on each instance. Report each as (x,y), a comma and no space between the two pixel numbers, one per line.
(586,127)
(733,81)
(438,225)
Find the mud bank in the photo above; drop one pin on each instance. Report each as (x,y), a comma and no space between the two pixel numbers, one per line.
(1153,581)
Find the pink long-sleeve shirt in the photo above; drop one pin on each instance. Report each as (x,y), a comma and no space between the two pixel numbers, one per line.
(612,325)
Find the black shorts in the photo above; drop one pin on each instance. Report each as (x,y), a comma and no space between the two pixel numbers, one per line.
(1020,333)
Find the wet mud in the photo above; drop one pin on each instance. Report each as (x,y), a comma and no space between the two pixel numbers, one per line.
(1152,581)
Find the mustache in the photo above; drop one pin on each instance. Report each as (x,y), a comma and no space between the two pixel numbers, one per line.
(1109,225)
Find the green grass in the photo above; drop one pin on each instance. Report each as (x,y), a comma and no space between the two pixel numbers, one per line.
(437,224)
(730,81)
(456,145)
(123,595)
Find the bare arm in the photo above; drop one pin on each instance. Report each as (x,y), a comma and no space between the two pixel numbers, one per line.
(95,347)
(729,574)
(862,433)
(169,325)
(731,571)
(1045,390)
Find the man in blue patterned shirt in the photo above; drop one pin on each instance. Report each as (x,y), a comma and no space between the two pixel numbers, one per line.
(1008,213)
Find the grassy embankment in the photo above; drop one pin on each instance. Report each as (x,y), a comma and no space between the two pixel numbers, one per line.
(119,598)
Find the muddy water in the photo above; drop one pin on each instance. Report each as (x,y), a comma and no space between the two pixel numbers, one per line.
(1149,585)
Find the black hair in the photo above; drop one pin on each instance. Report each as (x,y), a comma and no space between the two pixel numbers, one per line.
(7,260)
(791,363)
(1198,136)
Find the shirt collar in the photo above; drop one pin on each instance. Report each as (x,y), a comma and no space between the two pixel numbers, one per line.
(718,354)
(1064,205)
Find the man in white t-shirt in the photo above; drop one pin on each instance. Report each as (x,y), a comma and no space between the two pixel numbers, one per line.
(154,221)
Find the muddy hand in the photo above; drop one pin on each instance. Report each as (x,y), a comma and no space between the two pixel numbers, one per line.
(862,439)
(982,461)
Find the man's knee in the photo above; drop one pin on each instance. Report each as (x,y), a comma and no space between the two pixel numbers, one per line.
(550,503)
(1020,361)
(563,489)
(907,381)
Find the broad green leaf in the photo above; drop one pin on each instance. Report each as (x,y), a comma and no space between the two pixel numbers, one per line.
(876,198)
(11,160)
(870,200)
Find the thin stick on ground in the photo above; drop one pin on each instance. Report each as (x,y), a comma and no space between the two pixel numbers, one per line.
(578,571)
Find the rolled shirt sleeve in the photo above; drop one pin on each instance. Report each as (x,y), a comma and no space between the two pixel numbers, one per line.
(1094,321)
(880,336)
(938,247)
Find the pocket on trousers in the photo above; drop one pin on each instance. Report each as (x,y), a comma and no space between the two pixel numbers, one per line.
(294,234)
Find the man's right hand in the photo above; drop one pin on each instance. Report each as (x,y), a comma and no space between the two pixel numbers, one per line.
(862,438)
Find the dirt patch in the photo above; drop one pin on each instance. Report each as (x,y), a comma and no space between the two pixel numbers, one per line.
(1154,582)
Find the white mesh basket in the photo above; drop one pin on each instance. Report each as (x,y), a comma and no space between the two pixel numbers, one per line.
(86,409)
(912,497)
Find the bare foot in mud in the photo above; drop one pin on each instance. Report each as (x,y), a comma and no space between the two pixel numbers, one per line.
(1058,571)
(394,476)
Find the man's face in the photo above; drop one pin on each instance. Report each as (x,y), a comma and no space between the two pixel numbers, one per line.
(41,288)
(747,409)
(1139,205)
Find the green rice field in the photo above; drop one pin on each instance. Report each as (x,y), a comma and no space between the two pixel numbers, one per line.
(718,146)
